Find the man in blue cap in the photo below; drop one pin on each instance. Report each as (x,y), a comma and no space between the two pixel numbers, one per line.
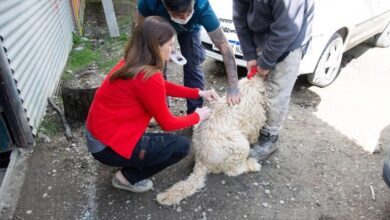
(187,17)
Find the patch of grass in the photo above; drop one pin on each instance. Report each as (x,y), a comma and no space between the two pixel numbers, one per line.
(123,38)
(79,59)
(76,39)
(105,52)
(107,65)
(66,76)
(111,51)
(50,126)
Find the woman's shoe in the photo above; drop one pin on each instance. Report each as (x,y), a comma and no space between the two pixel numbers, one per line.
(138,187)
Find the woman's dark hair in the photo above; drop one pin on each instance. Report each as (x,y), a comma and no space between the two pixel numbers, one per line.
(179,5)
(142,52)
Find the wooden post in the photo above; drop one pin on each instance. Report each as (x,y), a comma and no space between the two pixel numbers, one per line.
(110,18)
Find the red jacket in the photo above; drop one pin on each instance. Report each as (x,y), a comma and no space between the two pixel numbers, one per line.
(121,109)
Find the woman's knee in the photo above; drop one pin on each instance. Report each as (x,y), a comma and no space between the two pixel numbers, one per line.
(182,146)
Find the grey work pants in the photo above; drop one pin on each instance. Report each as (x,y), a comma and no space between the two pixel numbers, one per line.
(279,85)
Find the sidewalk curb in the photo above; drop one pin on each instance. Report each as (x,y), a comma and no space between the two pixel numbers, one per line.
(12,184)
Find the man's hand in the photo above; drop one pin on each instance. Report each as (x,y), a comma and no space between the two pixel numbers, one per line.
(209,95)
(253,64)
(252,72)
(233,96)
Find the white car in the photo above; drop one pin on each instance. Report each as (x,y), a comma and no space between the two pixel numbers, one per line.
(338,26)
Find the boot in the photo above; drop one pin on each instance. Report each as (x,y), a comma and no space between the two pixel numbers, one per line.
(266,145)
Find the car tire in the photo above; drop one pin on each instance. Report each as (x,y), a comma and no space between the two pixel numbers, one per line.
(383,39)
(328,66)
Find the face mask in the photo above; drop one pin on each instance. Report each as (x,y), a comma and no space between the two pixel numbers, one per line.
(181,21)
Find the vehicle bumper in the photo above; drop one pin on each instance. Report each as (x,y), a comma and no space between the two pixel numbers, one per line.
(307,65)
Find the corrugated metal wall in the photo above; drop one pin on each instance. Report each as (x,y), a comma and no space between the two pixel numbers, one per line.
(38,37)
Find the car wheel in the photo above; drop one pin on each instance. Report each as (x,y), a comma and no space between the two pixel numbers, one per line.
(328,66)
(383,39)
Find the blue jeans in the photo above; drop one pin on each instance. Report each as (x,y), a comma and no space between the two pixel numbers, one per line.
(153,153)
(192,50)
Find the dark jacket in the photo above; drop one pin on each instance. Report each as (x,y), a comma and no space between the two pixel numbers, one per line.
(276,27)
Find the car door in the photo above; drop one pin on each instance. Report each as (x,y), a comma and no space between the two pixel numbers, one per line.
(381,7)
(381,15)
(361,14)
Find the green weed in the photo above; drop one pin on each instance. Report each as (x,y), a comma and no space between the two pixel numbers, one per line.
(79,59)
(106,65)
(50,126)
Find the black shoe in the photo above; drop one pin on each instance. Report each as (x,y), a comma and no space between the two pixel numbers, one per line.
(386,170)
(266,145)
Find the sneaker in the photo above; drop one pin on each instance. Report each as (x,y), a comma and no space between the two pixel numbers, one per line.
(138,187)
(386,170)
(266,145)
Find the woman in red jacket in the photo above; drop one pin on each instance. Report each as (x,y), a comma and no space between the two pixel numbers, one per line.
(131,94)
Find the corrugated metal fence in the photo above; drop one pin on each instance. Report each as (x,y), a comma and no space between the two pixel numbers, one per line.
(37,35)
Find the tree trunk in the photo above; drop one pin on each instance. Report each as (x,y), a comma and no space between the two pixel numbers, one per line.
(77,95)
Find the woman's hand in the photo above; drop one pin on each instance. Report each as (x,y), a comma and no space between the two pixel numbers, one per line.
(209,95)
(204,113)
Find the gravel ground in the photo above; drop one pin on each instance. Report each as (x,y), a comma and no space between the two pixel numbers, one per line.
(319,172)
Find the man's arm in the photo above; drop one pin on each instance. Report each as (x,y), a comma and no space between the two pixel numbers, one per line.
(245,35)
(219,40)
(288,20)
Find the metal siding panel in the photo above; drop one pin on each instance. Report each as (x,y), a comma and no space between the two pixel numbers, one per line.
(45,46)
(27,50)
(38,37)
